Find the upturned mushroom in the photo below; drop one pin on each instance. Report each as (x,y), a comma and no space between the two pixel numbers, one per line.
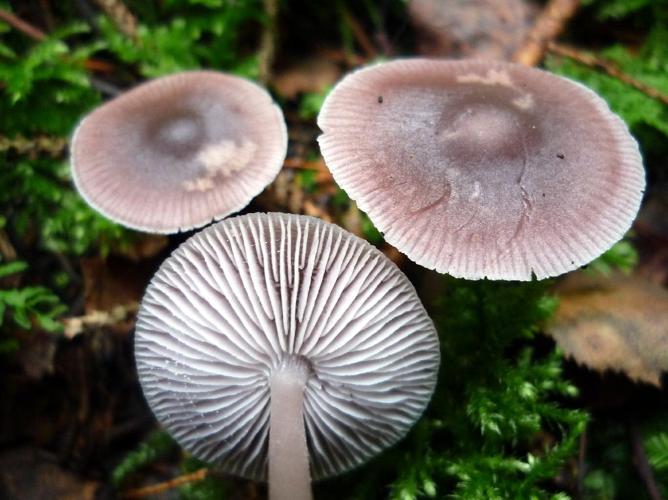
(483,169)
(282,346)
(180,151)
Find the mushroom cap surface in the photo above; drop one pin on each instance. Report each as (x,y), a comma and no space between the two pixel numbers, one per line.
(180,151)
(483,169)
(257,293)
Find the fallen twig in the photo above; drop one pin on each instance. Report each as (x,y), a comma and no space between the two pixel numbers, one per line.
(301,164)
(47,14)
(22,26)
(268,42)
(118,12)
(323,175)
(594,62)
(342,57)
(96,319)
(642,464)
(6,248)
(54,146)
(549,25)
(360,35)
(146,491)
(582,465)
(38,35)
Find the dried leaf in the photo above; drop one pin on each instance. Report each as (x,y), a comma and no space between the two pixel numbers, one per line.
(618,323)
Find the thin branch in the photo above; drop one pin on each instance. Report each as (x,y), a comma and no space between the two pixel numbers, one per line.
(549,25)
(268,42)
(6,248)
(360,35)
(38,35)
(340,56)
(97,319)
(642,464)
(45,8)
(22,26)
(594,62)
(104,86)
(121,16)
(298,163)
(582,465)
(147,491)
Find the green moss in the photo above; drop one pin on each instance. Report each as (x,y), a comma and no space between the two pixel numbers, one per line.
(155,446)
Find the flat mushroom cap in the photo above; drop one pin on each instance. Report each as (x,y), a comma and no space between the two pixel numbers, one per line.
(253,293)
(177,152)
(483,169)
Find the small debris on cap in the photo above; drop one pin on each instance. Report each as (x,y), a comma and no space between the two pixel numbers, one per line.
(461,167)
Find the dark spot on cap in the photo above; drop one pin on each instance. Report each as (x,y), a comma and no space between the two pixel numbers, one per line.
(380,99)
(486,122)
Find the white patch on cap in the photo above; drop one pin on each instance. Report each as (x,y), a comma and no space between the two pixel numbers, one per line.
(494,77)
(222,158)
(524,102)
(476,191)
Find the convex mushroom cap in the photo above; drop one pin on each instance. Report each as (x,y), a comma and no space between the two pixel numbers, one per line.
(177,152)
(290,320)
(483,169)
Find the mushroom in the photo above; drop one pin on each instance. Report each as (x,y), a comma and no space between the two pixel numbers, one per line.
(483,169)
(174,153)
(268,342)
(485,29)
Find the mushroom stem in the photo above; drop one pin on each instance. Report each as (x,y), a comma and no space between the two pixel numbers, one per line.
(289,474)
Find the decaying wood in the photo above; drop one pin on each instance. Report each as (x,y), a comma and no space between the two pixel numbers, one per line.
(549,25)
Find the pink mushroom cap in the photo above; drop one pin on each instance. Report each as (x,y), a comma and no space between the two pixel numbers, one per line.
(178,152)
(483,169)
